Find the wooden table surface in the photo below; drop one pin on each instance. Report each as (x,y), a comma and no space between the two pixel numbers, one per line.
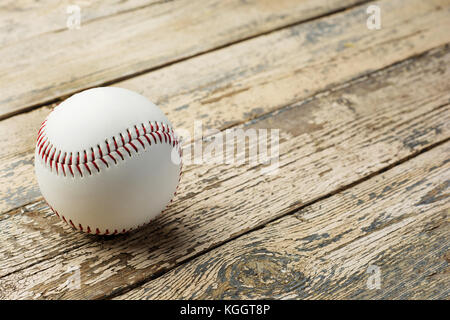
(359,206)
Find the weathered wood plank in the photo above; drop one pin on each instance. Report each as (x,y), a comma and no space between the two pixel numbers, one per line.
(397,221)
(338,137)
(57,64)
(24,19)
(229,86)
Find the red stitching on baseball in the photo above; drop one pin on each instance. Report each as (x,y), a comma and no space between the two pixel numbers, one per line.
(148,139)
(129,136)
(43,153)
(114,159)
(87,167)
(115,143)
(57,161)
(79,169)
(42,144)
(159,135)
(156,141)
(104,161)
(51,158)
(134,147)
(143,145)
(100,151)
(128,150)
(120,154)
(96,166)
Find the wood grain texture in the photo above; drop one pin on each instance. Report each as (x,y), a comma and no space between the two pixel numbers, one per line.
(397,221)
(327,142)
(230,86)
(24,19)
(56,64)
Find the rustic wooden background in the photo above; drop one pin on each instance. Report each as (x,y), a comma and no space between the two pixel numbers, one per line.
(364,147)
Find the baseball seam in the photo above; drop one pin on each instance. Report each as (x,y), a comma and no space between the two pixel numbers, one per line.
(97,158)
(114,149)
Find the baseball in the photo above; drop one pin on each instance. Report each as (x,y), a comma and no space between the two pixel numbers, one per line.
(104,160)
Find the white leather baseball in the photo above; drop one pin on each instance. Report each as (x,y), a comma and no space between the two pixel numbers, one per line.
(104,160)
